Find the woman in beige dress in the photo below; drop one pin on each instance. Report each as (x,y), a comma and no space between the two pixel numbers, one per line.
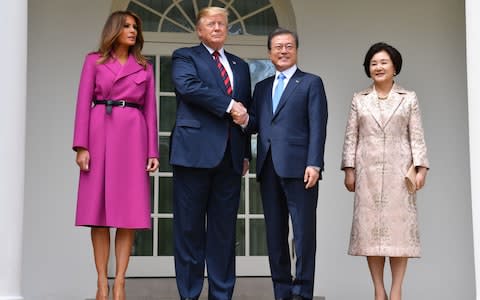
(383,138)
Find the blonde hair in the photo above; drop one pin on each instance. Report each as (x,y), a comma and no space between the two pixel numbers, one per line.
(111,31)
(210,11)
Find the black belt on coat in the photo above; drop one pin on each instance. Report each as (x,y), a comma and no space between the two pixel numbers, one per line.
(110,103)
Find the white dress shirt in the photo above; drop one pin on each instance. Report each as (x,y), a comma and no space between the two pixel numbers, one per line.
(223,59)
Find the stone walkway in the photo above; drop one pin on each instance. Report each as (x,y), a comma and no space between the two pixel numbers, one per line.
(246,288)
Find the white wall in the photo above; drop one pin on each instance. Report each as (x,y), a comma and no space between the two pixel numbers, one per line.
(12,157)
(334,36)
(473,71)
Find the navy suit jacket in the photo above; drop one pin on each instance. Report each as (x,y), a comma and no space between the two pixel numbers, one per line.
(295,134)
(202,126)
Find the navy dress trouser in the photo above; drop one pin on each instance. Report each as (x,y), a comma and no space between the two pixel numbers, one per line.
(205,212)
(281,197)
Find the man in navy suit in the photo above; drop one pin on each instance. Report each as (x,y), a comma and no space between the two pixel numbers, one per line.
(289,112)
(209,154)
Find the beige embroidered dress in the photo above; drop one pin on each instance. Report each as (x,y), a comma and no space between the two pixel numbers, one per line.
(382,139)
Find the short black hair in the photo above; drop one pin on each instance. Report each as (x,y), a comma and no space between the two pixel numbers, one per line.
(395,56)
(280,31)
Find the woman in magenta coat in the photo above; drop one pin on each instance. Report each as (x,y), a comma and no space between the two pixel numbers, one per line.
(116,141)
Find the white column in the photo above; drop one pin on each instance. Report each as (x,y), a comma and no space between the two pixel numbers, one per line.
(472,11)
(13,79)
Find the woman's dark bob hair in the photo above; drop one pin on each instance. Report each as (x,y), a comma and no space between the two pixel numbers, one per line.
(395,56)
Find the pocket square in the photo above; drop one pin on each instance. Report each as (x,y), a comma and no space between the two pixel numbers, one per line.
(410,179)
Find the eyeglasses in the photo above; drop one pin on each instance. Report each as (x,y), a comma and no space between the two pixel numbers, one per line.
(279,47)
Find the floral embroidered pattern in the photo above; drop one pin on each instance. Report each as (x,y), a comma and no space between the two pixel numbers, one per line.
(382,139)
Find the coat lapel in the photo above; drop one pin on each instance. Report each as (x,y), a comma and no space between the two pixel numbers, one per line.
(291,86)
(113,65)
(370,101)
(130,67)
(396,97)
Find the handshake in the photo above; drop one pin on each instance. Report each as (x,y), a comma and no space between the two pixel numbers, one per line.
(239,114)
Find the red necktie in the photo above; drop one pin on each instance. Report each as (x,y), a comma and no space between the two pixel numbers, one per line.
(223,73)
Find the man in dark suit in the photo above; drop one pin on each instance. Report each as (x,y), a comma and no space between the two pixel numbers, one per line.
(209,154)
(289,112)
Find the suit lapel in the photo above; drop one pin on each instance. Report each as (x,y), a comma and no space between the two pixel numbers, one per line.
(287,92)
(233,65)
(268,95)
(130,67)
(208,58)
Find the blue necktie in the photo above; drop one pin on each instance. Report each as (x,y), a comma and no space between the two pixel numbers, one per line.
(278,92)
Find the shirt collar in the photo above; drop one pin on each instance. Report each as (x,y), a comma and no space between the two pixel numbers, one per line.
(210,50)
(288,72)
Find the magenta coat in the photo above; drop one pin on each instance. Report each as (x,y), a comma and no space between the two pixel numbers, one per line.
(115,192)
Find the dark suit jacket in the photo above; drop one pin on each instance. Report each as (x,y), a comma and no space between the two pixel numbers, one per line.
(296,133)
(202,126)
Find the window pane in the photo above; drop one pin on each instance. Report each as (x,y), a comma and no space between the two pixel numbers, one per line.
(151,60)
(258,240)
(260,69)
(150,21)
(240,243)
(152,192)
(187,7)
(255,199)
(218,3)
(164,150)
(158,5)
(166,84)
(262,23)
(168,26)
(232,15)
(253,161)
(241,208)
(246,7)
(235,29)
(165,195)
(202,3)
(179,16)
(176,15)
(165,237)
(167,111)
(143,245)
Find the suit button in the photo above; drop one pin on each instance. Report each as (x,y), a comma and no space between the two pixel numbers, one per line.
(268,141)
